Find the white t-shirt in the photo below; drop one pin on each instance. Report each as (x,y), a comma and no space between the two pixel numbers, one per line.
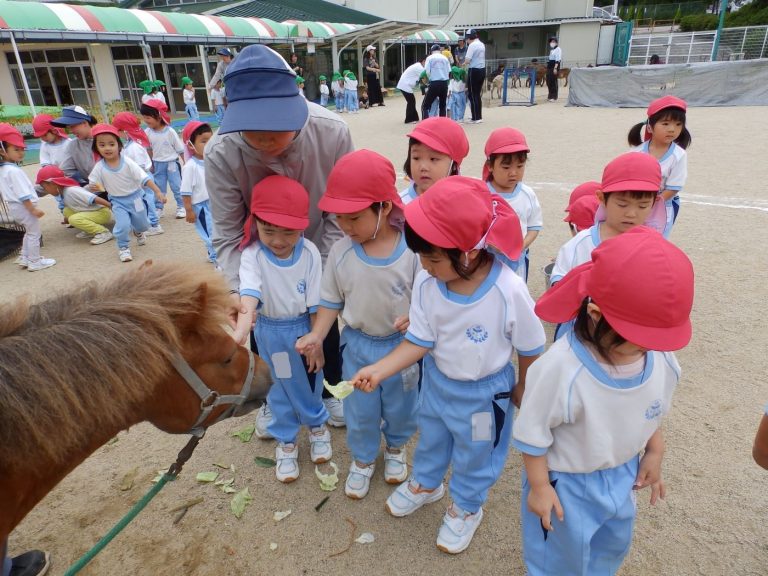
(674,165)
(285,288)
(471,337)
(54,153)
(408,195)
(337,88)
(526,205)
(370,292)
(575,252)
(455,86)
(189,96)
(556,54)
(193,180)
(437,67)
(410,77)
(123,180)
(138,154)
(166,144)
(218,97)
(350,84)
(476,54)
(80,200)
(582,418)
(15,187)
(156,96)
(324,89)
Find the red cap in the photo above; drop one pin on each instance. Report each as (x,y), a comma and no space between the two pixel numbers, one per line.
(458,212)
(587,189)
(279,200)
(443,135)
(666,102)
(582,212)
(642,283)
(632,171)
(186,133)
(128,122)
(105,129)
(52,173)
(41,125)
(11,135)
(503,141)
(161,107)
(358,180)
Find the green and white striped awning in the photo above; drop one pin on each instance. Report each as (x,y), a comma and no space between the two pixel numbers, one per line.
(432,36)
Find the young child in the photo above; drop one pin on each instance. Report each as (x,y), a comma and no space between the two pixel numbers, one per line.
(468,315)
(123,180)
(363,101)
(300,84)
(457,94)
(53,141)
(167,151)
(188,93)
(586,190)
(350,92)
(82,209)
(595,400)
(368,278)
(324,91)
(436,148)
(506,153)
(665,137)
(20,195)
(135,148)
(339,97)
(217,95)
(280,275)
(194,193)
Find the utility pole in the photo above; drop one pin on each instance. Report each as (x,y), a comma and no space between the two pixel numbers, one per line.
(716,45)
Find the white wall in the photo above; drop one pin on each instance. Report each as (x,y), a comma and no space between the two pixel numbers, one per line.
(579,43)
(7,90)
(511,11)
(103,68)
(567,8)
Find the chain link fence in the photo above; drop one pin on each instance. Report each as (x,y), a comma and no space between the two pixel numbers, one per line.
(748,43)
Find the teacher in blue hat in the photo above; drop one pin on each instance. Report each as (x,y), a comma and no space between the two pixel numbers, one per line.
(79,160)
(225,58)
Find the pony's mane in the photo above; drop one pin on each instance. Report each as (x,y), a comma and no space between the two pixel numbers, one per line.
(82,360)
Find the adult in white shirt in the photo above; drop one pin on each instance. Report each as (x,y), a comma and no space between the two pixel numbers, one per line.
(438,69)
(553,67)
(408,81)
(474,62)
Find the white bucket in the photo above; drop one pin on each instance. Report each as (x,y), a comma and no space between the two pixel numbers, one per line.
(547,270)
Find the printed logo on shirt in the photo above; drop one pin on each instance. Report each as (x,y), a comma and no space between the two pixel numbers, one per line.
(301,287)
(398,289)
(654,410)
(477,333)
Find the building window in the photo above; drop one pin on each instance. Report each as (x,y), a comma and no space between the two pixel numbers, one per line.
(55,77)
(438,8)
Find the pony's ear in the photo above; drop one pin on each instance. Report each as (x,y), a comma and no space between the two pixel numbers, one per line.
(196,308)
(145,264)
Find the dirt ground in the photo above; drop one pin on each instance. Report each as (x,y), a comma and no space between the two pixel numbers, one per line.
(713,520)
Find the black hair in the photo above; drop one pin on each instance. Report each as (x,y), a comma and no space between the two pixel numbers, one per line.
(508,157)
(635,136)
(655,59)
(119,144)
(418,245)
(199,131)
(152,112)
(407,165)
(600,335)
(634,194)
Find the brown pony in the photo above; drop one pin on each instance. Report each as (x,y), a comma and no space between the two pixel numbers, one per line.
(80,367)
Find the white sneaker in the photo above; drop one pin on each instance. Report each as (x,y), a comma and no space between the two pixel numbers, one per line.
(263,419)
(320,450)
(83,235)
(101,237)
(335,409)
(457,530)
(395,466)
(125,255)
(160,213)
(154,230)
(21,261)
(358,480)
(41,264)
(287,462)
(141,238)
(410,496)
(181,213)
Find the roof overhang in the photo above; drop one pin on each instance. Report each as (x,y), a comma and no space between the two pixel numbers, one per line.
(385,31)
(529,23)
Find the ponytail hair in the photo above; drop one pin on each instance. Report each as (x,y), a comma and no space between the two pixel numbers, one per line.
(637,132)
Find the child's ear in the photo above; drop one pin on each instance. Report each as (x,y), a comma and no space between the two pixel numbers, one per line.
(601,197)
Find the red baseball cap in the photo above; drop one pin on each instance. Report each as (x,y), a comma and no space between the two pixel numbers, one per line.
(280,201)
(128,122)
(41,125)
(666,102)
(442,135)
(458,212)
(161,107)
(358,180)
(105,129)
(642,283)
(11,135)
(586,189)
(189,128)
(503,141)
(581,213)
(52,173)
(632,171)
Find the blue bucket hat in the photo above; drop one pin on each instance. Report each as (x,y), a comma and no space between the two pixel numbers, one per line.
(262,93)
(224,52)
(71,115)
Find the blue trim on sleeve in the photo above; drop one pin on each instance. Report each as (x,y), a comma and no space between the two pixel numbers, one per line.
(186,193)
(147,179)
(253,293)
(418,341)
(534,352)
(675,188)
(25,198)
(312,309)
(528,449)
(534,228)
(331,305)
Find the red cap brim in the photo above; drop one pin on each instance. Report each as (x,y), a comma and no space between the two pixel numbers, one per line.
(665,339)
(284,220)
(423,226)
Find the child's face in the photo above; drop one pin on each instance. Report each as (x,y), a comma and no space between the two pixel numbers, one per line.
(81,131)
(188,87)
(278,239)
(12,153)
(50,188)
(428,166)
(106,144)
(666,130)
(270,143)
(151,121)
(361,226)
(438,265)
(199,144)
(506,175)
(49,137)
(623,212)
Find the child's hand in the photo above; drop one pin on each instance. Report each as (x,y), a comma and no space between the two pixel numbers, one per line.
(37,213)
(65,221)
(517,395)
(649,474)
(541,501)
(191,217)
(315,360)
(160,198)
(243,327)
(95,187)
(402,323)
(309,344)
(367,379)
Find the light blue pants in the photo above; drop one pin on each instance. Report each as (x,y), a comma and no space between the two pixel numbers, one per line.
(296,395)
(673,209)
(458,105)
(149,204)
(204,226)
(192,112)
(595,537)
(165,174)
(323,100)
(350,100)
(129,213)
(467,425)
(434,110)
(219,113)
(394,401)
(339,100)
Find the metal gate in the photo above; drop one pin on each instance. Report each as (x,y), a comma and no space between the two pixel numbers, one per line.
(621,43)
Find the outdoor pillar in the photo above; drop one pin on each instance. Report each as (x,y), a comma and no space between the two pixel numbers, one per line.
(147,52)
(382,66)
(335,55)
(23,76)
(99,93)
(360,76)
(206,75)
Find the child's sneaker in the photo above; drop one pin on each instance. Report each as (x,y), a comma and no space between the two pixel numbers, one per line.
(154,230)
(141,238)
(41,264)
(457,530)
(410,496)
(21,261)
(101,237)
(395,467)
(320,450)
(287,462)
(335,409)
(263,419)
(125,255)
(181,213)
(358,480)
(83,235)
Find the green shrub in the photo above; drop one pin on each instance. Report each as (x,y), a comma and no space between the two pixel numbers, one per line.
(696,22)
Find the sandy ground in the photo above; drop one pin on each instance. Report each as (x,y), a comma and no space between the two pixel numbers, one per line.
(713,520)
